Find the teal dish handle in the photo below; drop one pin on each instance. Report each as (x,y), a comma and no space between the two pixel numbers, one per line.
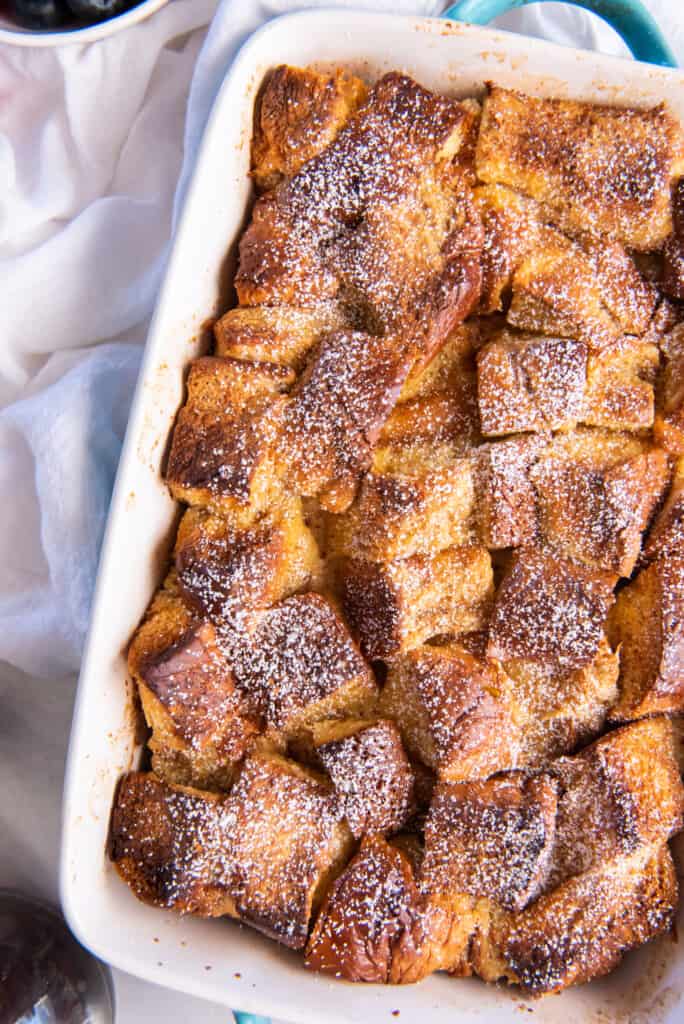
(249,1018)
(629,18)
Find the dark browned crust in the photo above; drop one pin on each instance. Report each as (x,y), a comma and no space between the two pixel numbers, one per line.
(549,610)
(491,839)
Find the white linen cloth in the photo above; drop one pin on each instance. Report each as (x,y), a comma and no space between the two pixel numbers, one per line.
(92,142)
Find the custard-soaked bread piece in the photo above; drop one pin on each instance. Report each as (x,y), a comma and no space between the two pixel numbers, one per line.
(582,287)
(370,771)
(224,449)
(666,536)
(287,843)
(596,508)
(346,224)
(171,844)
(673,251)
(202,724)
(506,498)
(622,793)
(582,929)
(397,606)
(226,573)
(647,623)
(376,925)
(609,170)
(415,499)
(491,839)
(549,610)
(556,709)
(298,112)
(530,382)
(669,421)
(454,710)
(275,334)
(337,411)
(305,665)
(619,389)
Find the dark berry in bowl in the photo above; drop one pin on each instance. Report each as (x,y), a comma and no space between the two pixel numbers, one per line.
(40,13)
(99,10)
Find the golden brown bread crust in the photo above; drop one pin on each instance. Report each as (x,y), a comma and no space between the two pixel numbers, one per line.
(666,536)
(507,501)
(304,664)
(397,606)
(377,926)
(453,710)
(224,445)
(287,844)
(371,774)
(606,169)
(669,421)
(275,334)
(530,382)
(227,573)
(355,240)
(298,112)
(169,844)
(549,610)
(492,839)
(202,725)
(596,514)
(582,929)
(647,623)
(337,411)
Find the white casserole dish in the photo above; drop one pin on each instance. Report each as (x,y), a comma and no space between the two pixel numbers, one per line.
(219,959)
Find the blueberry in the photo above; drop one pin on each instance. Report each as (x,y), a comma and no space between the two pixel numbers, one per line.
(40,13)
(99,10)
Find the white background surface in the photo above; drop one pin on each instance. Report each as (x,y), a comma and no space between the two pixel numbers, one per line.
(89,187)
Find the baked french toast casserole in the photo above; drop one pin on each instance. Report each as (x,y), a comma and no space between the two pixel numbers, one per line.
(413,679)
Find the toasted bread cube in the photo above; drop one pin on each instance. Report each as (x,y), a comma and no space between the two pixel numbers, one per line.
(224,449)
(621,794)
(507,501)
(648,624)
(370,772)
(596,513)
(202,724)
(491,839)
(581,930)
(274,334)
(512,228)
(304,661)
(337,411)
(608,170)
(558,710)
(226,573)
(666,536)
(287,842)
(529,382)
(397,606)
(359,237)
(377,926)
(171,844)
(557,291)
(299,112)
(619,393)
(414,500)
(550,611)
(669,422)
(453,710)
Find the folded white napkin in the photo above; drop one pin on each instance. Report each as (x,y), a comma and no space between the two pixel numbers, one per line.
(91,147)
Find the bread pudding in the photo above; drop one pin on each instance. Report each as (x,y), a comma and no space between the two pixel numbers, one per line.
(414,678)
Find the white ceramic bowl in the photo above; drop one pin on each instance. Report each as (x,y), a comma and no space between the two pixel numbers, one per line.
(17,35)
